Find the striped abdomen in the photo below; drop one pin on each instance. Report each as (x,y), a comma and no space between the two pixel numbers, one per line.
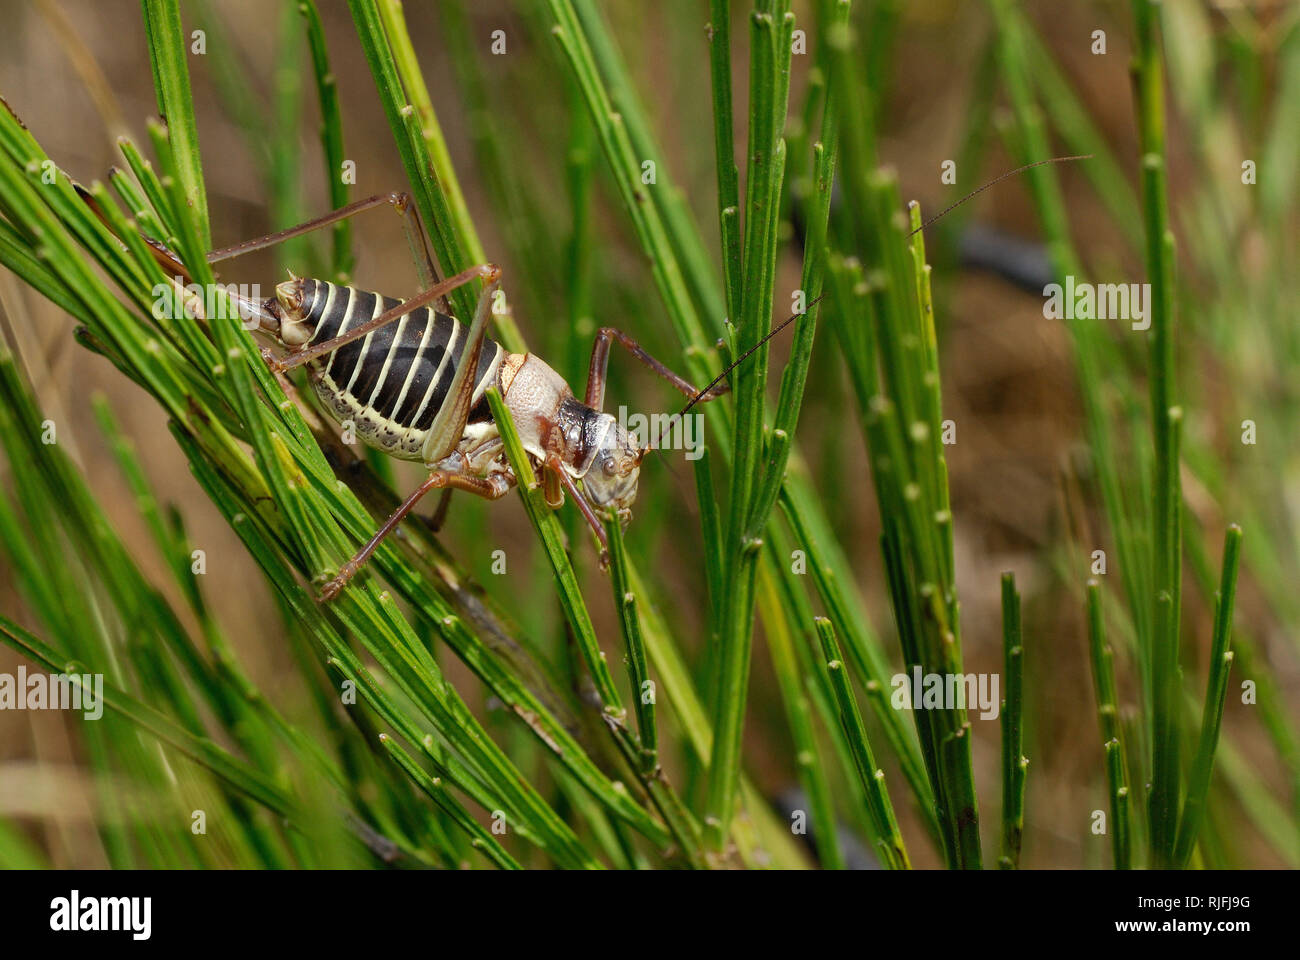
(392,382)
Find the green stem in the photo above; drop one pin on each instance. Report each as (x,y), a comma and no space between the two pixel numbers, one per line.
(769,86)
(643,689)
(168,48)
(796,679)
(415,128)
(1103,679)
(547,525)
(437,791)
(1014,763)
(719,34)
(1198,786)
(331,138)
(1166,559)
(889,842)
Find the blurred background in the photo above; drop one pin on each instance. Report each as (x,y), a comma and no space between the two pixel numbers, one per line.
(78,74)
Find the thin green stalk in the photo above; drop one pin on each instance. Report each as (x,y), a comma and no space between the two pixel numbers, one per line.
(1103,679)
(810,767)
(201,750)
(719,34)
(645,758)
(831,572)
(1166,557)
(668,199)
(769,87)
(415,128)
(331,138)
(284,149)
(436,791)
(643,689)
(168,50)
(1198,786)
(1014,762)
(891,350)
(547,525)
(711,535)
(795,376)
(889,842)
(390,12)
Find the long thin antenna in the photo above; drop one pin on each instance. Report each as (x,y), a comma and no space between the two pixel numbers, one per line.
(747,354)
(789,320)
(1010,173)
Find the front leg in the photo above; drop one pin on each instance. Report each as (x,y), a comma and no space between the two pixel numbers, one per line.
(556,474)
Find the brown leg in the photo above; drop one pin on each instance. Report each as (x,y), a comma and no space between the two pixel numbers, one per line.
(488,271)
(600,362)
(551,488)
(166,259)
(439,479)
(440,515)
(555,468)
(401,202)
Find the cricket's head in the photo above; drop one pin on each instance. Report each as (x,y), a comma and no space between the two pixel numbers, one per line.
(610,482)
(293,300)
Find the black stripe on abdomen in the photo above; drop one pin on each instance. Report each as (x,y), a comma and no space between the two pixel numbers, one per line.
(410,371)
(413,361)
(486,355)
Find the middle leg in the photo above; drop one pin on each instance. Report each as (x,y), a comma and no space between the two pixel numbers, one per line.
(556,474)
(489,488)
